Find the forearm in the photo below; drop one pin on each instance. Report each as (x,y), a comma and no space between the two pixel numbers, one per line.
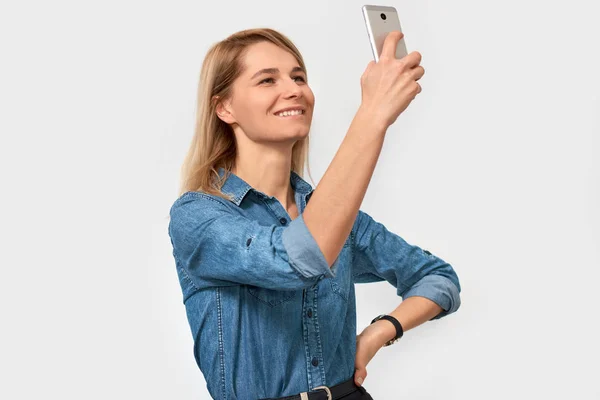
(334,205)
(411,313)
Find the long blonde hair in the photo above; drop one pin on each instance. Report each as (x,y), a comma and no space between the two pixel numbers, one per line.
(213,145)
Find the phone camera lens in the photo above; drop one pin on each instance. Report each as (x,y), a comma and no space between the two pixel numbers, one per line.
(383,17)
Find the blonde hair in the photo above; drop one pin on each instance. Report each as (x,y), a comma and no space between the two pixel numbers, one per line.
(213,145)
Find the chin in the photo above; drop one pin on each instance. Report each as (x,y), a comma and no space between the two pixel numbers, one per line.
(300,134)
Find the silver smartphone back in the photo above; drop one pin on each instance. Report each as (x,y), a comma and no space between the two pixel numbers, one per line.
(380,20)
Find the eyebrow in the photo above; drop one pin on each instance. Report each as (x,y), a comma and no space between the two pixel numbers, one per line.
(275,71)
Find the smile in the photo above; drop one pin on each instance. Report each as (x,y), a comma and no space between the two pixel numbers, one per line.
(290,113)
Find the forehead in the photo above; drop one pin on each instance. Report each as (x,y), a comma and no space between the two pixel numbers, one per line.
(267,55)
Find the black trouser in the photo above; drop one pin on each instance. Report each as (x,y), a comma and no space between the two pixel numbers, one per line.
(360,394)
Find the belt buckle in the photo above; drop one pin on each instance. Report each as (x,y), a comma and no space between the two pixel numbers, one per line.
(326,389)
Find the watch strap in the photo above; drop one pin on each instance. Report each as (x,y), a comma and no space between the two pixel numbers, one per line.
(397,325)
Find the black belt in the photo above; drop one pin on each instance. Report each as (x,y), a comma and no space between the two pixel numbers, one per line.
(324,392)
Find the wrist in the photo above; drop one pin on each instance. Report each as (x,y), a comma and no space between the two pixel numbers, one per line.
(371,117)
(398,329)
(383,331)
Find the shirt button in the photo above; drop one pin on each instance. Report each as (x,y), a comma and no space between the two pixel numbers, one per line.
(283,221)
(309,313)
(315,362)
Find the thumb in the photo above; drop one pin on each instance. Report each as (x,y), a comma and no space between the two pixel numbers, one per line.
(368,69)
(360,376)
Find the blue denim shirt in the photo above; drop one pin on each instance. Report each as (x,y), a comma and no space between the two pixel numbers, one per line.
(268,316)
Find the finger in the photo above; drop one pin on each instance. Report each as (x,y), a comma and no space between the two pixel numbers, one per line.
(418,72)
(413,59)
(390,43)
(360,375)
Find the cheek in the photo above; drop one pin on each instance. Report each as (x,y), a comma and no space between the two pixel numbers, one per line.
(252,111)
(310,97)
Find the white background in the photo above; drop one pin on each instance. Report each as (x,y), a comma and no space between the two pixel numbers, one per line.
(494,167)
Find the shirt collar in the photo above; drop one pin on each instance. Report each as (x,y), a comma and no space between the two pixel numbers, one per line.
(238,188)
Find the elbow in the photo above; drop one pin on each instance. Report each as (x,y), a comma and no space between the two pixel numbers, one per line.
(439,289)
(452,298)
(303,252)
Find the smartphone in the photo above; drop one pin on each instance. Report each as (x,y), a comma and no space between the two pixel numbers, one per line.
(381,20)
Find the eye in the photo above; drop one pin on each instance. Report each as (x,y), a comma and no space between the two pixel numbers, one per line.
(264,80)
(271,80)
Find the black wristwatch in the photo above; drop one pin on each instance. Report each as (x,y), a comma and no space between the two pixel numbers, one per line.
(399,330)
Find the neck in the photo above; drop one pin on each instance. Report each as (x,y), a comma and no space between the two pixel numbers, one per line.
(268,173)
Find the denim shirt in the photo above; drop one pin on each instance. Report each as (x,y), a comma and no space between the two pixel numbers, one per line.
(268,316)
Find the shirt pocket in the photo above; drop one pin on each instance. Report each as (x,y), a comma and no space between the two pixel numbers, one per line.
(342,282)
(270,297)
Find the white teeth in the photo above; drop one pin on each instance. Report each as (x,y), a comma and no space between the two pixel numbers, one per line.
(288,113)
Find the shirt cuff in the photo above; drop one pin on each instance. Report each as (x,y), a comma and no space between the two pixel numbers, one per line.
(438,289)
(304,253)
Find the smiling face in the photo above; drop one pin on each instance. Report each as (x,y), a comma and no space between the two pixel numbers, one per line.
(271,81)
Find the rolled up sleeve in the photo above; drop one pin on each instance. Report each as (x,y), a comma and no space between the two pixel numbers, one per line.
(303,251)
(438,289)
(381,255)
(216,245)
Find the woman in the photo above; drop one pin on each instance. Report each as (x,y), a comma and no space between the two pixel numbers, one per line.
(267,276)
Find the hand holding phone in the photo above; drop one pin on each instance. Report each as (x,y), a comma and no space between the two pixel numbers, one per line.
(390,85)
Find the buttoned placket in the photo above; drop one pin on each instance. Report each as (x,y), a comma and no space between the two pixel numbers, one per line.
(312,339)
(310,323)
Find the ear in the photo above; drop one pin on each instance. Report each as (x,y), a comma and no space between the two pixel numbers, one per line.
(223,110)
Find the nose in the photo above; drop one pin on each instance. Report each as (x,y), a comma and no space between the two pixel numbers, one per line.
(291,89)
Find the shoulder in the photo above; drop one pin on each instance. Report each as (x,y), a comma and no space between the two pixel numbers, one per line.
(366,228)
(198,204)
(198,199)
(362,221)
